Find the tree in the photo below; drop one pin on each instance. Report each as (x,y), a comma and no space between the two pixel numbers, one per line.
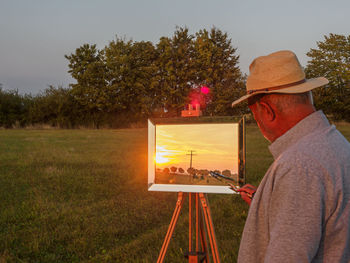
(173,169)
(331,59)
(131,76)
(57,107)
(181,171)
(129,81)
(13,108)
(217,68)
(191,171)
(87,67)
(187,62)
(175,70)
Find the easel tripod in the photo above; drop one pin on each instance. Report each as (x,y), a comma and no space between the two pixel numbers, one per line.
(200,253)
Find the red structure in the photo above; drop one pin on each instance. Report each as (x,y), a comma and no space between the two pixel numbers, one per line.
(192,112)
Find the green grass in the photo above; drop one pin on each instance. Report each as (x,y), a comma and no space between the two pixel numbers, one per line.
(81,196)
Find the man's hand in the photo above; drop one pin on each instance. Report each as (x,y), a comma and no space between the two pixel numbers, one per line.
(247,192)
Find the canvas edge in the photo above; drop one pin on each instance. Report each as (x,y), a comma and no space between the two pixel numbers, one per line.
(242,151)
(176,187)
(191,188)
(151,151)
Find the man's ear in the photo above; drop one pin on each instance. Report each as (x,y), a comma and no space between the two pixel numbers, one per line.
(267,110)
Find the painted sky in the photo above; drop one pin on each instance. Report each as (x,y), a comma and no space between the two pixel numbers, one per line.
(36,34)
(214,146)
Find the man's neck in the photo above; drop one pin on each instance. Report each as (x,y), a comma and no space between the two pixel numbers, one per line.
(288,121)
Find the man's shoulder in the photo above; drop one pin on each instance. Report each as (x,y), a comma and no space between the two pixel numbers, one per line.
(297,161)
(323,145)
(323,155)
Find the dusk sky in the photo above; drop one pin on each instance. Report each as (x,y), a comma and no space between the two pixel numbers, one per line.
(35,35)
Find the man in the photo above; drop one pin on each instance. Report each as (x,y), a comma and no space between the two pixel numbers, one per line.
(301,209)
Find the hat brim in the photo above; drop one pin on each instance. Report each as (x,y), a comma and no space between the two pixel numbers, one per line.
(308,85)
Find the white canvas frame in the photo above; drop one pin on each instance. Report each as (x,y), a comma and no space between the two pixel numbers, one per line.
(152,186)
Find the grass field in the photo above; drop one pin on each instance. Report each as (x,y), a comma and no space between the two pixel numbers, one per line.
(81,196)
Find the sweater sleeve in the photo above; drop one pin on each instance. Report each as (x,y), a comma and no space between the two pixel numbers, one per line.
(296,212)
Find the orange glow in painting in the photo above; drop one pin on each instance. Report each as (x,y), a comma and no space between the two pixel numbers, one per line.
(162,155)
(165,156)
(161,159)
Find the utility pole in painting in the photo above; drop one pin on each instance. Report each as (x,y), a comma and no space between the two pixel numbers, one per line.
(192,153)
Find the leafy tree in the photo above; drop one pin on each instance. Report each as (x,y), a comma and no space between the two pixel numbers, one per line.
(331,59)
(173,169)
(181,170)
(57,107)
(13,108)
(131,76)
(87,67)
(187,62)
(128,81)
(191,171)
(217,67)
(175,70)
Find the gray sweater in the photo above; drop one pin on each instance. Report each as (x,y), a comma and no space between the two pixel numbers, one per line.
(301,210)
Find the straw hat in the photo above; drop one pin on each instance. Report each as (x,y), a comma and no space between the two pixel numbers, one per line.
(279,72)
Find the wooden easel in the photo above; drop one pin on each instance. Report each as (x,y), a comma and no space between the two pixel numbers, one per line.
(201,253)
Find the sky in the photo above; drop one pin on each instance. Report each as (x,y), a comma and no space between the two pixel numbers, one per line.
(213,146)
(36,34)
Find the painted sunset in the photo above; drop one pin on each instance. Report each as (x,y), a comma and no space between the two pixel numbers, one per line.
(186,153)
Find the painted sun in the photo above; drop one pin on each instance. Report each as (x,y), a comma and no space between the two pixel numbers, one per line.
(163,156)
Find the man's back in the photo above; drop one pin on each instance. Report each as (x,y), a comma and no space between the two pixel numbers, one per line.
(331,152)
(300,212)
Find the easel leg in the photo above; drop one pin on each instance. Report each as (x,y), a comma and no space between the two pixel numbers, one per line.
(179,204)
(198,256)
(197,223)
(204,242)
(195,255)
(200,235)
(190,222)
(210,227)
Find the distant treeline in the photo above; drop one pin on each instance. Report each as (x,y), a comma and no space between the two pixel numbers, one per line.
(126,82)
